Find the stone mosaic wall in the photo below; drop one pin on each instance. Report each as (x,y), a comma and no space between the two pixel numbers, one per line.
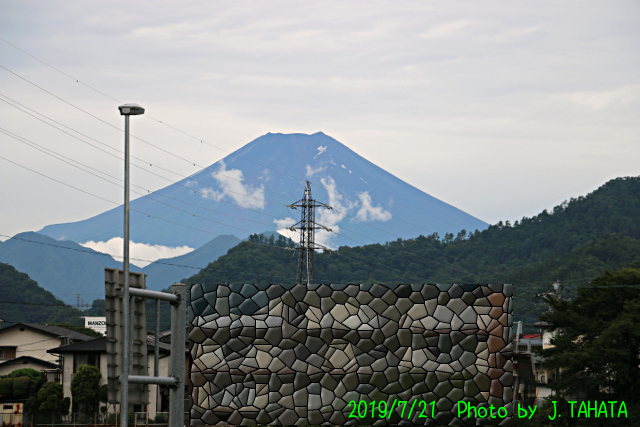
(301,355)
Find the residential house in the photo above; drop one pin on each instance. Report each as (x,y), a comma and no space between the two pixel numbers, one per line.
(94,353)
(25,345)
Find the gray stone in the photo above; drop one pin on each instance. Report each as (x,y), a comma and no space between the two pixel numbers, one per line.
(443,314)
(429,292)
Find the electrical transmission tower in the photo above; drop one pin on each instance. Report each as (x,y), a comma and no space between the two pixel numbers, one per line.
(307,226)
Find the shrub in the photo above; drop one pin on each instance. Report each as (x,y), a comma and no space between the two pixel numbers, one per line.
(23,387)
(6,387)
(35,376)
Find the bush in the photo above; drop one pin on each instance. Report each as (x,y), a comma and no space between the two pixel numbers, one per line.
(50,397)
(160,418)
(23,387)
(35,376)
(6,387)
(85,388)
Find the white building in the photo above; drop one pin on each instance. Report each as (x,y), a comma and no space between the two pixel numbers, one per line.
(25,345)
(94,353)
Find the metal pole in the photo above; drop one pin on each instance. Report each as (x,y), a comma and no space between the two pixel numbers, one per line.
(124,380)
(178,336)
(132,336)
(156,355)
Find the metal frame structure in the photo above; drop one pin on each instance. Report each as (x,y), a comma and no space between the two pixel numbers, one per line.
(118,323)
(307,225)
(178,315)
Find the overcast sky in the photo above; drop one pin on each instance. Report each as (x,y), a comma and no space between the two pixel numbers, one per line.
(501,109)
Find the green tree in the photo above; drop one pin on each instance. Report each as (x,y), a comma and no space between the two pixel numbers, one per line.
(597,348)
(35,376)
(85,388)
(50,398)
(23,387)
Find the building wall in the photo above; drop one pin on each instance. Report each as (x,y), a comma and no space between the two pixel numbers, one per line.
(31,343)
(152,400)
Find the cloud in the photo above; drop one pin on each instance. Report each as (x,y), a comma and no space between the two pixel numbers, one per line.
(331,217)
(247,196)
(283,228)
(368,212)
(311,171)
(321,150)
(144,251)
(599,100)
(444,31)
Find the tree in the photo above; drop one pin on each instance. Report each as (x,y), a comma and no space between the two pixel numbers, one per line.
(85,388)
(35,376)
(50,398)
(597,348)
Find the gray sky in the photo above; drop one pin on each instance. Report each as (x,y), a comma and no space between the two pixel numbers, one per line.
(501,109)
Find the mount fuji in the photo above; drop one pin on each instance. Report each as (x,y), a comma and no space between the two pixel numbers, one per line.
(248,192)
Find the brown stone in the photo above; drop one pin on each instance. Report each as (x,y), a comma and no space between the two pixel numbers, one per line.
(495,344)
(493,325)
(496,299)
(496,312)
(498,331)
(500,360)
(504,319)
(197,379)
(495,373)
(496,389)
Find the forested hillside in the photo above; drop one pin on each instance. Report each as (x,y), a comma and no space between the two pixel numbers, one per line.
(23,301)
(578,240)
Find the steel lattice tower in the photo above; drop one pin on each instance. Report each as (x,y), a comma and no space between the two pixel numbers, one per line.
(307,226)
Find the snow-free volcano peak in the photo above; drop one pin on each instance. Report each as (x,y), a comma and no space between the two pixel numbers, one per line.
(248,191)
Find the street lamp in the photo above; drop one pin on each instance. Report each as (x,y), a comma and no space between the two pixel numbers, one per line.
(126,110)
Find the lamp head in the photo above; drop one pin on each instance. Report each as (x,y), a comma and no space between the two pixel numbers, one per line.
(131,109)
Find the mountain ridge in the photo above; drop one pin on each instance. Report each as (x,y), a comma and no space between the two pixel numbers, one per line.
(251,188)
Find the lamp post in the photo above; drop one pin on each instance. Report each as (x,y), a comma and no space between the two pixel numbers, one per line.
(126,110)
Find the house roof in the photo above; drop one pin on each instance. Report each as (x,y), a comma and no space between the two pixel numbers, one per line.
(54,331)
(532,336)
(99,345)
(22,359)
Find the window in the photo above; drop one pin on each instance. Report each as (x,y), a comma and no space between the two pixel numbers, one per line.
(543,379)
(7,352)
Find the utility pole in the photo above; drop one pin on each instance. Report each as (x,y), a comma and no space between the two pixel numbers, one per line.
(307,226)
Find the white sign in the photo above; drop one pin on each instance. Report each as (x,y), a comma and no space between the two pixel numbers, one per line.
(98,324)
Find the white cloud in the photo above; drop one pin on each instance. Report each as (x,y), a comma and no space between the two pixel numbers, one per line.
(331,217)
(448,30)
(599,100)
(369,212)
(321,150)
(312,171)
(283,228)
(144,251)
(247,196)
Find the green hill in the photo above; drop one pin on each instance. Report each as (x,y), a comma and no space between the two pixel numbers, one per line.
(578,240)
(24,301)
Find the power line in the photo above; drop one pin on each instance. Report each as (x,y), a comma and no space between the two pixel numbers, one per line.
(54,154)
(107,200)
(146,115)
(204,194)
(173,221)
(195,138)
